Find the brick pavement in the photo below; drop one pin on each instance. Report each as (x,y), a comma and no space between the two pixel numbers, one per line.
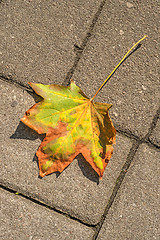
(52,42)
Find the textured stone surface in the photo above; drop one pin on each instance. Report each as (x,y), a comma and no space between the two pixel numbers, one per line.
(23,219)
(37,37)
(134,88)
(155,136)
(135,211)
(76,190)
(37,41)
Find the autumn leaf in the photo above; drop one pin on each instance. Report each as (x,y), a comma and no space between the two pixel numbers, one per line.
(73,124)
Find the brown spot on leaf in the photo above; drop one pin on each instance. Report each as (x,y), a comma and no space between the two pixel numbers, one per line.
(27,113)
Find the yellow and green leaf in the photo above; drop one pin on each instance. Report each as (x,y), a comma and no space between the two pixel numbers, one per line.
(73,124)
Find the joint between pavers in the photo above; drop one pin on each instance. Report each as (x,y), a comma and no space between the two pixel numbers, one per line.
(127,133)
(10,80)
(118,183)
(18,192)
(84,43)
(152,145)
(145,139)
(152,127)
(133,137)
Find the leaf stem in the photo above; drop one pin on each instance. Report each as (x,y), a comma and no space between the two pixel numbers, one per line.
(125,56)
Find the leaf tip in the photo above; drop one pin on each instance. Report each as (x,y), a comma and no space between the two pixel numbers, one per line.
(42,174)
(72,82)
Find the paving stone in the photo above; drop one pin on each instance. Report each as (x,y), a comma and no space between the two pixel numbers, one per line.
(134,88)
(135,211)
(155,136)
(23,219)
(38,37)
(77,190)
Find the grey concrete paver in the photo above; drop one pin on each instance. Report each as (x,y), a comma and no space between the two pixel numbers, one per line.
(134,88)
(155,136)
(23,219)
(37,44)
(37,37)
(135,211)
(76,190)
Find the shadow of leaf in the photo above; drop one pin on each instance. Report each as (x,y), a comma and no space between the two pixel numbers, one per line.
(24,132)
(87,170)
(37,98)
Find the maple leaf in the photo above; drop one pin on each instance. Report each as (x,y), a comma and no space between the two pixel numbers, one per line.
(73,124)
